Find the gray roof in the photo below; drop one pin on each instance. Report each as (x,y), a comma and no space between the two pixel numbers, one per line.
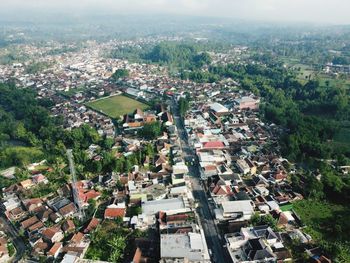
(189,246)
(217,107)
(244,206)
(153,207)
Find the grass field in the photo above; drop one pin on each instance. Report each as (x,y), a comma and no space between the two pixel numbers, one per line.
(287,207)
(116,106)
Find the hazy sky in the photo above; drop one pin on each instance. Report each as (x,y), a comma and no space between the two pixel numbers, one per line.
(323,11)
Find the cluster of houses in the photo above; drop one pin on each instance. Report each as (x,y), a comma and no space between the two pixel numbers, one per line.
(244,177)
(48,223)
(240,166)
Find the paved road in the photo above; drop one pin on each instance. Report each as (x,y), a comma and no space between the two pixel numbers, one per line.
(9,229)
(212,235)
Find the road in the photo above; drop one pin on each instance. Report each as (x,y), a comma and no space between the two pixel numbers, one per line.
(212,235)
(10,230)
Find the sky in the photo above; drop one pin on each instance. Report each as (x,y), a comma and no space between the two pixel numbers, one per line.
(315,11)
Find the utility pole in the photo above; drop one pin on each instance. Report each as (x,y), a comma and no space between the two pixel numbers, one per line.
(76,197)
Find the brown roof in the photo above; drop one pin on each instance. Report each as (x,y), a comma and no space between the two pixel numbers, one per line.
(17,211)
(76,238)
(28,222)
(26,183)
(36,226)
(70,208)
(32,202)
(50,232)
(92,225)
(41,246)
(137,256)
(44,214)
(68,225)
(56,247)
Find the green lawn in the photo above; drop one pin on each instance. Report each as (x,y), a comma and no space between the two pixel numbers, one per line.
(287,207)
(116,106)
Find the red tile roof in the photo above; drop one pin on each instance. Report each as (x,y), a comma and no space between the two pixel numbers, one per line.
(92,225)
(114,212)
(28,222)
(213,145)
(50,232)
(56,247)
(76,238)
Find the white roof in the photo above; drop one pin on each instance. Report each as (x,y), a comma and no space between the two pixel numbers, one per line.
(69,258)
(217,107)
(289,216)
(196,241)
(246,99)
(187,246)
(273,205)
(152,207)
(244,206)
(180,168)
(178,190)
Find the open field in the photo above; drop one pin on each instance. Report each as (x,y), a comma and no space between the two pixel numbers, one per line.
(116,106)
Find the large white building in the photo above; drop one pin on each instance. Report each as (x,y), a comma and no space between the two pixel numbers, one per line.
(241,210)
(189,247)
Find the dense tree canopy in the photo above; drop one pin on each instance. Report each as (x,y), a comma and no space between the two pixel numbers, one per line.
(120,73)
(178,55)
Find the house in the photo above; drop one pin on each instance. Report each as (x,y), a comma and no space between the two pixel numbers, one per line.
(32,204)
(68,226)
(55,217)
(52,234)
(211,145)
(28,222)
(241,210)
(44,214)
(255,250)
(10,202)
(113,212)
(222,190)
(243,166)
(39,179)
(26,184)
(251,165)
(254,244)
(40,248)
(76,239)
(248,103)
(85,195)
(16,214)
(35,227)
(67,210)
(55,250)
(94,222)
